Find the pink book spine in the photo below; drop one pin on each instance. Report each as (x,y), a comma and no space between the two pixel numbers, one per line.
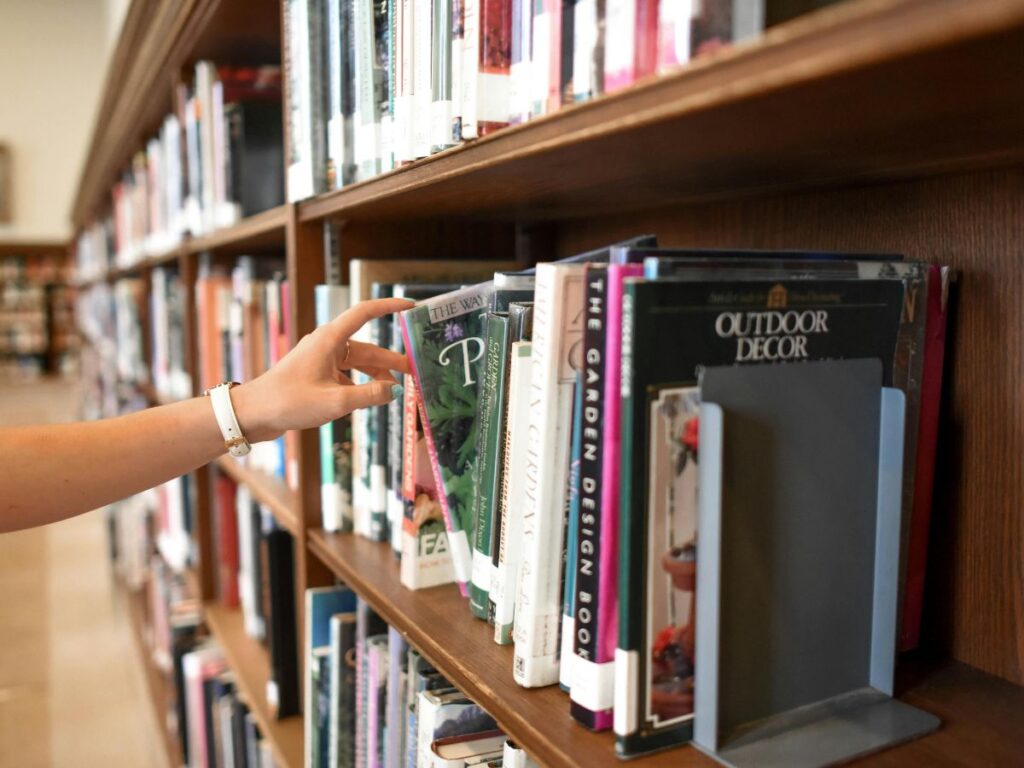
(435,466)
(924,472)
(608,593)
(372,713)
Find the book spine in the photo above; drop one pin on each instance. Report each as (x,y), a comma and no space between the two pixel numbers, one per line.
(674,34)
(335,118)
(404,77)
(646,50)
(489,432)
(422,91)
(557,310)
(380,330)
(553,9)
(366,121)
(927,443)
(396,427)
(588,706)
(619,44)
(566,669)
(458,42)
(616,371)
(470,70)
(588,54)
(494,29)
(567,55)
(387,21)
(540,59)
(512,491)
(441,77)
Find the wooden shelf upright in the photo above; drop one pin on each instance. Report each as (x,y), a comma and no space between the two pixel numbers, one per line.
(873,125)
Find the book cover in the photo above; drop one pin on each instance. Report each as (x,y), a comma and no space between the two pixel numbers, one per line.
(720,321)
(489,444)
(444,338)
(321,604)
(362,274)
(336,436)
(510,543)
(342,720)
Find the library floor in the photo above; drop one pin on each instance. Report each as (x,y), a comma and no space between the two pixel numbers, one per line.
(72,691)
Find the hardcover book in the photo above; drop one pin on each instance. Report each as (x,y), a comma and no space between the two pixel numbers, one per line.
(342,734)
(444,714)
(283,685)
(321,604)
(368,625)
(485,73)
(444,337)
(721,321)
(442,98)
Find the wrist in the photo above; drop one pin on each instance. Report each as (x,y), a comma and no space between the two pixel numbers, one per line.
(253,413)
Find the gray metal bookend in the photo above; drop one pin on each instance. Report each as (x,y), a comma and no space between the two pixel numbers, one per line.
(799,521)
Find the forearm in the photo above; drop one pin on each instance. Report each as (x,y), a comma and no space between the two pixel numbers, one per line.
(50,473)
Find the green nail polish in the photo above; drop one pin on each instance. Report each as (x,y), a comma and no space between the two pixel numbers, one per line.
(396,391)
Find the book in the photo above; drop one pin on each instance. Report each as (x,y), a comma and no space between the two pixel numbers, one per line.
(380,335)
(442,714)
(335,436)
(342,720)
(566,668)
(721,321)
(368,624)
(305,59)
(514,491)
(321,604)
(444,339)
(588,47)
(630,51)
(362,274)
(283,685)
(421,676)
(423,95)
(489,461)
(520,93)
(485,72)
(466,749)
(397,699)
(442,96)
(225,511)
(376,713)
(255,156)
(404,81)
(515,756)
(557,328)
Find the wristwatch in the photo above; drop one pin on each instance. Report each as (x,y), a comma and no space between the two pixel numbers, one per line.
(224,412)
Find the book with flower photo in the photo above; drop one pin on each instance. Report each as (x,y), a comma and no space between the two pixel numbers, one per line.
(444,337)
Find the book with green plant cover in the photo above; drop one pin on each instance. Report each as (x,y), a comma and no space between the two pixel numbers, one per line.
(489,445)
(444,337)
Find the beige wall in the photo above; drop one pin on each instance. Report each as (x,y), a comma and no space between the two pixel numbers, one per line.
(53,56)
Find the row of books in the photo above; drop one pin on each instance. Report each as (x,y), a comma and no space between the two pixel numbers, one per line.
(371,700)
(217,158)
(35,323)
(373,86)
(255,560)
(552,417)
(167,309)
(244,324)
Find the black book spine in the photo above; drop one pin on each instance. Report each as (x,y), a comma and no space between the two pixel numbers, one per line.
(380,330)
(283,651)
(586,599)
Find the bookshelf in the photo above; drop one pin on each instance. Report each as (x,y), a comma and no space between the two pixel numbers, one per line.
(888,125)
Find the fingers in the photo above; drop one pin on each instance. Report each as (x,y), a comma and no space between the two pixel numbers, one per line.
(366,395)
(365,356)
(354,318)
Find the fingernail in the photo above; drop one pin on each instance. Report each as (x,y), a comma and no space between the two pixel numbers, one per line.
(396,391)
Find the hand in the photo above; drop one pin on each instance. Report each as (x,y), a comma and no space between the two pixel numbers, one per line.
(308,386)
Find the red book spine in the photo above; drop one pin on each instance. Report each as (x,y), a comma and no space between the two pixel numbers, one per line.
(646,50)
(227,541)
(495,57)
(927,442)
(409,439)
(553,9)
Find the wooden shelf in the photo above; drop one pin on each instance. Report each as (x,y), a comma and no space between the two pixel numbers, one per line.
(981,714)
(866,90)
(279,498)
(264,230)
(160,688)
(251,666)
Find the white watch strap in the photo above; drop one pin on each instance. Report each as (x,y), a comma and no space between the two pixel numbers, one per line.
(224,411)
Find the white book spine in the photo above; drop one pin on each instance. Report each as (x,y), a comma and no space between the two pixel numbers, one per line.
(557,327)
(335,119)
(619,43)
(422,88)
(404,80)
(540,63)
(470,68)
(585,36)
(367,124)
(330,301)
(510,543)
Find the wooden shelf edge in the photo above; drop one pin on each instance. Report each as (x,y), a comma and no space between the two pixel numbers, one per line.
(249,229)
(981,714)
(821,47)
(156,679)
(250,664)
(278,497)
